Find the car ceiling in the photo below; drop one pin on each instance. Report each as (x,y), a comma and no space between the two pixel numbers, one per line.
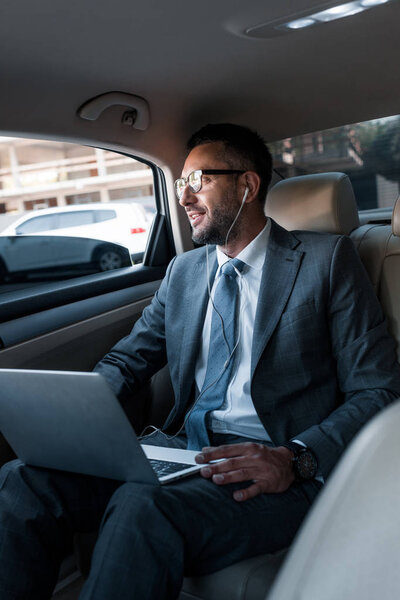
(192,63)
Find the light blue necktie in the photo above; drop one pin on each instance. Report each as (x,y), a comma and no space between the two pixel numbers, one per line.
(220,355)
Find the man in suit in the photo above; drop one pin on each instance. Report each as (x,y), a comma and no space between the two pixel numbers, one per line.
(309,363)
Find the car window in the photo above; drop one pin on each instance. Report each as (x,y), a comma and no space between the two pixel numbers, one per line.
(369,152)
(37,225)
(61,189)
(104,215)
(75,219)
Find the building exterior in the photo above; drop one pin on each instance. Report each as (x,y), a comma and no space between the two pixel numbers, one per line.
(37,174)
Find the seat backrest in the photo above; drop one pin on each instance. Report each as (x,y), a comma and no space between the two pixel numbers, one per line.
(379,249)
(325,202)
(348,545)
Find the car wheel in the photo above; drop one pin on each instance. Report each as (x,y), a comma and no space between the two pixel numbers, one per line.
(108,259)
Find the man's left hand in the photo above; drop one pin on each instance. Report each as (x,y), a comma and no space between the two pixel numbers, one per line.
(269,469)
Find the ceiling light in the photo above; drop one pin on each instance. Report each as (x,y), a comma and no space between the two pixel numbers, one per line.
(339,12)
(369,3)
(300,23)
(276,28)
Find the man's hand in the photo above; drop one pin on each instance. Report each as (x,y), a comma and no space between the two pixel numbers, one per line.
(270,469)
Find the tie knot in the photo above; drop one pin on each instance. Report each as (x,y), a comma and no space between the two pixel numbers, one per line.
(229,267)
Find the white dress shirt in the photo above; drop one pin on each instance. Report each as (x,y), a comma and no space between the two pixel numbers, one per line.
(237,414)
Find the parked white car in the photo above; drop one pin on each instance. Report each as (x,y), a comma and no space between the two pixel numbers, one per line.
(125,224)
(44,257)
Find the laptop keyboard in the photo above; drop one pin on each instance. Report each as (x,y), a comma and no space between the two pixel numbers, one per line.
(165,467)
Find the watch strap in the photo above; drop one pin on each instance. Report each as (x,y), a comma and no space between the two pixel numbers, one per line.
(295,447)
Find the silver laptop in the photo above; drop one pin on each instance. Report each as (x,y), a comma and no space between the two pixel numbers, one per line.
(73,422)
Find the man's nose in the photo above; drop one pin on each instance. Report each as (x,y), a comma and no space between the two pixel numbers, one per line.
(187,196)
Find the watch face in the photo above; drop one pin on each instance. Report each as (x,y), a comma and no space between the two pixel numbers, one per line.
(306,465)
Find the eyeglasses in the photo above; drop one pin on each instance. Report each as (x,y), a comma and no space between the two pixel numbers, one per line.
(194,181)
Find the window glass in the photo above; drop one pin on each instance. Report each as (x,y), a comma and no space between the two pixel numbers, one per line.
(104,215)
(42,186)
(36,225)
(75,219)
(368,152)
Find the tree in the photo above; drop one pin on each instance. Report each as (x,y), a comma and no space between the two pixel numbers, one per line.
(378,145)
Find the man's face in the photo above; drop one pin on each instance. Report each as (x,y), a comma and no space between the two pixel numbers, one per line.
(212,210)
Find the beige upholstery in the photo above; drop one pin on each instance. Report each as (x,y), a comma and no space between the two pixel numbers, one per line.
(379,249)
(323,202)
(246,580)
(371,242)
(348,547)
(396,218)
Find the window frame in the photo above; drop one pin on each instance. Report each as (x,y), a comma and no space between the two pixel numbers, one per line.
(160,249)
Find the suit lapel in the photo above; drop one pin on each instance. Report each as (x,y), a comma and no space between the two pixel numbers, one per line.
(281,265)
(282,262)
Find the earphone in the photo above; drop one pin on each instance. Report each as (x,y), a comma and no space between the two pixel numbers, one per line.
(230,353)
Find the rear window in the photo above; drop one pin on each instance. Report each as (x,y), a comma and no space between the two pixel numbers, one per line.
(368,152)
(104,215)
(36,225)
(75,219)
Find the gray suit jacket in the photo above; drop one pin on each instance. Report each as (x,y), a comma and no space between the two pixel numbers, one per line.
(322,362)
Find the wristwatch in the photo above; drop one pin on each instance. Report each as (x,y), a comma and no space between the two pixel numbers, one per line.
(305,464)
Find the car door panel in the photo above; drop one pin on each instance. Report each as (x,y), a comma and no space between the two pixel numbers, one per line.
(28,327)
(76,346)
(72,336)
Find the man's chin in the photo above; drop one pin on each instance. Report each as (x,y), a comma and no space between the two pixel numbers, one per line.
(198,237)
(207,237)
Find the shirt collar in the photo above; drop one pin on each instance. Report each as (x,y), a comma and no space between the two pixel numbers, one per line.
(253,254)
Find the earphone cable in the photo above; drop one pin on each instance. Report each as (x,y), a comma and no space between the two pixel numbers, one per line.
(230,352)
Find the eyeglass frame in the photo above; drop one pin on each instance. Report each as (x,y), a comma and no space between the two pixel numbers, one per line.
(203,172)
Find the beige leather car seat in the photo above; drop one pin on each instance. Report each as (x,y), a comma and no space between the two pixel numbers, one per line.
(379,249)
(348,547)
(325,202)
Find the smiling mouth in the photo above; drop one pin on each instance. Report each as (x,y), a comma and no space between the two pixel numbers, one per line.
(195,218)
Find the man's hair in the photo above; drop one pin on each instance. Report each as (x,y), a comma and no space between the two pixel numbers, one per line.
(243,149)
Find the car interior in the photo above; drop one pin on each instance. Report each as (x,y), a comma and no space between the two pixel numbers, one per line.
(137,79)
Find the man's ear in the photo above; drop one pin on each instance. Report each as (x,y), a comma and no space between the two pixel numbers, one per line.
(251,181)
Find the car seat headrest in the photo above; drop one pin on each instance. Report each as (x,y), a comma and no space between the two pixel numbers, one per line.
(321,202)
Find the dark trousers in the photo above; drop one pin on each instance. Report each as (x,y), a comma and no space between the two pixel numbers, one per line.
(150,536)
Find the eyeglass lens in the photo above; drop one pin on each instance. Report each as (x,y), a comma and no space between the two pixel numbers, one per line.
(193,180)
